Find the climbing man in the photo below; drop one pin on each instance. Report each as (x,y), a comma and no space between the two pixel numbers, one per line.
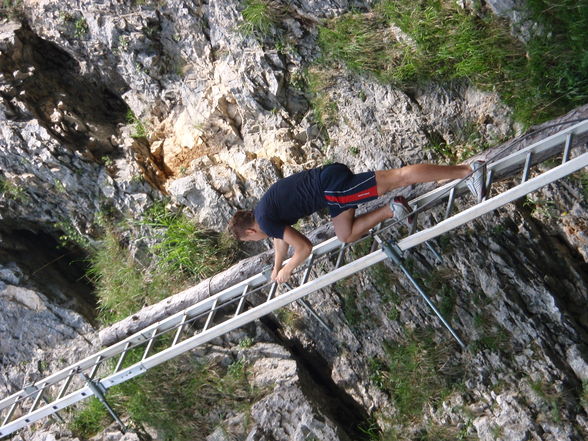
(336,187)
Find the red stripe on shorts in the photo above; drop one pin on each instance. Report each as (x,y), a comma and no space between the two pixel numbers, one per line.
(355,197)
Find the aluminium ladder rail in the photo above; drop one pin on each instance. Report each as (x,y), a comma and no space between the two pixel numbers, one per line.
(236,305)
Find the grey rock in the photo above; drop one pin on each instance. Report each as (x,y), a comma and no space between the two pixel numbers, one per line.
(223,123)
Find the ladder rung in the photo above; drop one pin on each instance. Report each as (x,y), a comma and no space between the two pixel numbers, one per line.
(65,386)
(121,359)
(10,412)
(211,314)
(340,255)
(489,179)
(272,291)
(567,147)
(180,329)
(308,269)
(413,226)
(150,343)
(241,301)
(38,398)
(374,244)
(96,366)
(527,167)
(450,202)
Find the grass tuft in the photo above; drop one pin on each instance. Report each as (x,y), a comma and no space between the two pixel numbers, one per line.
(439,41)
(258,18)
(92,418)
(139,129)
(325,109)
(185,247)
(179,399)
(416,374)
(183,253)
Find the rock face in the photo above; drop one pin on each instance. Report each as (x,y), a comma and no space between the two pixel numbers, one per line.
(111,105)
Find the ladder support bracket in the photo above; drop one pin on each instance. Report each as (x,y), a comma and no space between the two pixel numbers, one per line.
(99,392)
(394,253)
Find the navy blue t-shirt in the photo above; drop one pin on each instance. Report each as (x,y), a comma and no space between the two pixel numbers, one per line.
(288,200)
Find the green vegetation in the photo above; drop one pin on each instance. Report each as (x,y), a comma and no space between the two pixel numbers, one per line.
(446,43)
(540,207)
(436,283)
(184,247)
(92,418)
(468,142)
(70,235)
(179,399)
(319,81)
(9,190)
(81,27)
(347,289)
(11,9)
(584,394)
(258,18)
(552,399)
(182,396)
(246,342)
(355,39)
(558,59)
(492,336)
(121,286)
(289,318)
(140,131)
(415,374)
(183,253)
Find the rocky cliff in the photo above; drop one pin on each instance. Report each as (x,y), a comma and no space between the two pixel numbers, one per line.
(111,105)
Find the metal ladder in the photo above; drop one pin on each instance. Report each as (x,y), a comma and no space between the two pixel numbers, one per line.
(255,297)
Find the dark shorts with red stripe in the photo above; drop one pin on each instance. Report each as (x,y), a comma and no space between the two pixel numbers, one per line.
(344,190)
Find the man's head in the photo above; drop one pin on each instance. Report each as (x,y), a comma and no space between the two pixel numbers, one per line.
(244,226)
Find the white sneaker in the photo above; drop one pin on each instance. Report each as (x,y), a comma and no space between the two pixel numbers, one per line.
(401,209)
(477,181)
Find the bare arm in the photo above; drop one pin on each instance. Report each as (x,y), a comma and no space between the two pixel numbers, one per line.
(302,249)
(280,254)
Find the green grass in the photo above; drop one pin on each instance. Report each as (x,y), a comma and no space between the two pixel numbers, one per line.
(180,399)
(91,419)
(319,81)
(139,129)
(121,285)
(551,398)
(347,289)
(185,247)
(258,18)
(584,394)
(468,142)
(558,59)
(183,253)
(491,335)
(415,374)
(446,43)
(356,40)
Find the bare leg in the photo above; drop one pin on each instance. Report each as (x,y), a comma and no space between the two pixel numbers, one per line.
(349,228)
(387,180)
